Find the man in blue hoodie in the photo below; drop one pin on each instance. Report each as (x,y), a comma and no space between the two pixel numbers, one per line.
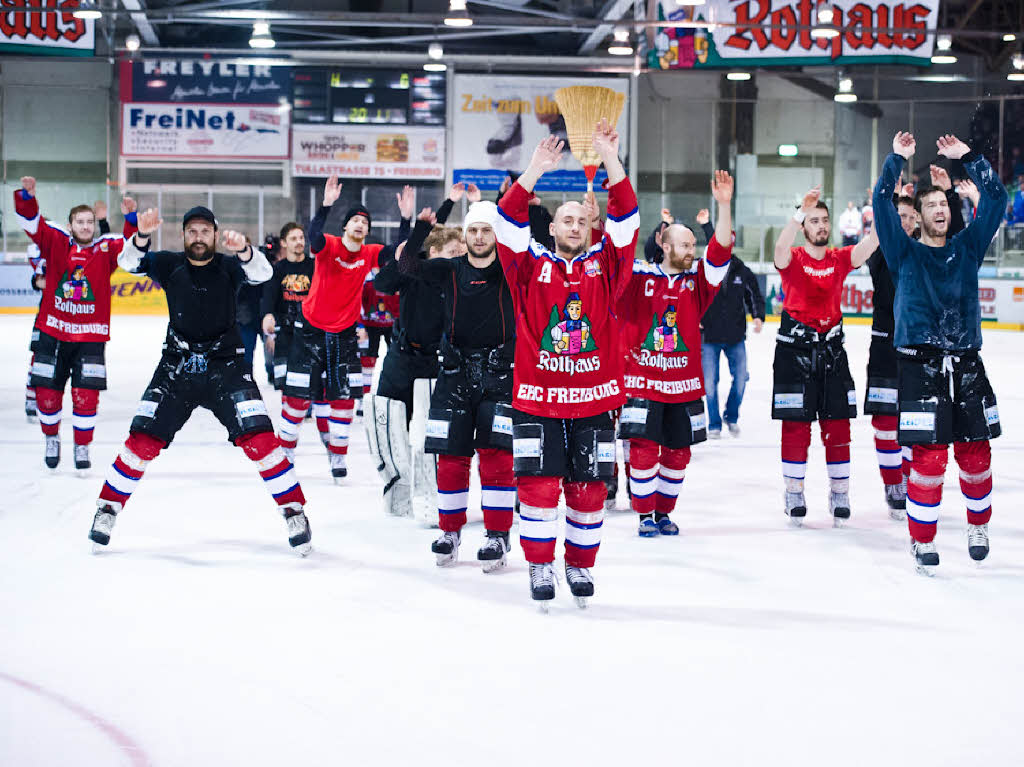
(944,394)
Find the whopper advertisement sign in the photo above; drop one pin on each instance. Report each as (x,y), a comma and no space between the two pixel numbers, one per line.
(359,151)
(52,34)
(499,120)
(244,131)
(765,33)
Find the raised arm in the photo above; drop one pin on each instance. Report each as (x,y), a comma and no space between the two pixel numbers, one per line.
(135,249)
(888,228)
(784,243)
(26,210)
(315,235)
(410,264)
(992,202)
(862,250)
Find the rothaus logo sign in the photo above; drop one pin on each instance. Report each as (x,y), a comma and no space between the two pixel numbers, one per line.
(20,30)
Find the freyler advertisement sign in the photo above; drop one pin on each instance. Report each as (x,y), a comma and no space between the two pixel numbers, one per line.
(777,32)
(206,81)
(24,29)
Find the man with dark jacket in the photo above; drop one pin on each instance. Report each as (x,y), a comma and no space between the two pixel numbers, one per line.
(725,331)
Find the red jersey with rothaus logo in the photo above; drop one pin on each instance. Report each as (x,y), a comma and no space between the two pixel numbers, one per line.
(335,297)
(75,306)
(568,352)
(380,310)
(813,289)
(661,314)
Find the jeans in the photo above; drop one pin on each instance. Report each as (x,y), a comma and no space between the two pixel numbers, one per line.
(736,355)
(248,333)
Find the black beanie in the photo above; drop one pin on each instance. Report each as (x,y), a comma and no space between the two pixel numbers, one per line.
(358,210)
(199,212)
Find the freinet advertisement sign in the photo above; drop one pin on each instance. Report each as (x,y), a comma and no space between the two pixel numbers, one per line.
(216,131)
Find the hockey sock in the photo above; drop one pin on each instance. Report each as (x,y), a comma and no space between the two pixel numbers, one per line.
(908,459)
(836,437)
(924,491)
(367,364)
(796,440)
(340,420)
(498,489)
(293,410)
(30,392)
(48,403)
(322,415)
(83,413)
(890,454)
(278,473)
(584,516)
(670,478)
(452,491)
(127,469)
(643,474)
(975,461)
(538,517)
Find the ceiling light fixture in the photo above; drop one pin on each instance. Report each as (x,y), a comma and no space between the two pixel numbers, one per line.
(457,15)
(824,28)
(944,42)
(943,58)
(132,43)
(88,11)
(738,76)
(620,43)
(1009,37)
(788,150)
(261,36)
(435,67)
(435,51)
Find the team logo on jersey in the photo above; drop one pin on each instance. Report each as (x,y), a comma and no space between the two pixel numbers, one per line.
(295,287)
(381,313)
(592,267)
(664,334)
(568,332)
(75,286)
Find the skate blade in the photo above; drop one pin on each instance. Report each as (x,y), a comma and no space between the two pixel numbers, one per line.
(82,473)
(926,570)
(796,521)
(839,522)
(446,560)
(581,602)
(493,565)
(898,515)
(303,549)
(32,419)
(98,548)
(544,607)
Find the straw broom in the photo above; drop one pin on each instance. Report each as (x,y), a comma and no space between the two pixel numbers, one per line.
(583,106)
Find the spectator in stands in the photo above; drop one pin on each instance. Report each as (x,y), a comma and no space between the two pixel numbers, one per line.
(850,224)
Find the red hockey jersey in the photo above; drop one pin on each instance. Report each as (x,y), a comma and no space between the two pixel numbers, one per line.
(661,316)
(75,306)
(334,301)
(568,354)
(380,310)
(812,290)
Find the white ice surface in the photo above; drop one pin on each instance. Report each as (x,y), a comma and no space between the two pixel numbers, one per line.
(202,640)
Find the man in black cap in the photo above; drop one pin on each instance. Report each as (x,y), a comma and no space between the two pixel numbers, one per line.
(202,366)
(323,362)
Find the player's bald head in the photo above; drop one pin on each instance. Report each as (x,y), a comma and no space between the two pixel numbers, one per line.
(571,208)
(677,234)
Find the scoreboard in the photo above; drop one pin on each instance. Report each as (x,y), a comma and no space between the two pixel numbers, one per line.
(369,97)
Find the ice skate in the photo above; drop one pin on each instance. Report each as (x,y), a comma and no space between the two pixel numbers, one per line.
(796,507)
(338,468)
(581,584)
(647,528)
(299,534)
(612,485)
(82,462)
(667,527)
(734,429)
(492,554)
(542,583)
(52,454)
(896,498)
(925,556)
(977,541)
(102,526)
(446,548)
(839,507)
(505,146)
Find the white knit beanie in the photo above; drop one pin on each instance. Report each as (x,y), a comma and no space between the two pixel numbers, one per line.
(482,212)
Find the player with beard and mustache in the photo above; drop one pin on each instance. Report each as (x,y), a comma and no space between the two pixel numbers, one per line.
(944,394)
(568,362)
(471,406)
(323,362)
(73,322)
(202,365)
(812,378)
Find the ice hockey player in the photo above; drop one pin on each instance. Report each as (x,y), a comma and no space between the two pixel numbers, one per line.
(945,395)
(812,378)
(661,311)
(881,401)
(73,320)
(568,362)
(471,407)
(38,283)
(323,362)
(202,365)
(396,431)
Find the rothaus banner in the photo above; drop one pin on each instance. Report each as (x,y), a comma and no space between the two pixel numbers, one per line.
(52,34)
(769,35)
(360,151)
(204,81)
(499,120)
(215,131)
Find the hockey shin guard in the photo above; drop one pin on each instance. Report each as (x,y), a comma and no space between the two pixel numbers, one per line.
(293,410)
(890,454)
(48,402)
(643,474)
(975,462)
(322,416)
(340,421)
(278,473)
(835,435)
(584,516)
(452,491)
(670,478)
(924,491)
(796,440)
(127,469)
(538,517)
(498,488)
(84,403)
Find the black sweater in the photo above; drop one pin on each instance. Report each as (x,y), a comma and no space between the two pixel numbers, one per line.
(725,321)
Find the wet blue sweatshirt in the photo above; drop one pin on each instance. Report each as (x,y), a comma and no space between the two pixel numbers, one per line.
(937,288)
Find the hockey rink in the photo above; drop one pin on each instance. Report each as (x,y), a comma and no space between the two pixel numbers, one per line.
(199,638)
